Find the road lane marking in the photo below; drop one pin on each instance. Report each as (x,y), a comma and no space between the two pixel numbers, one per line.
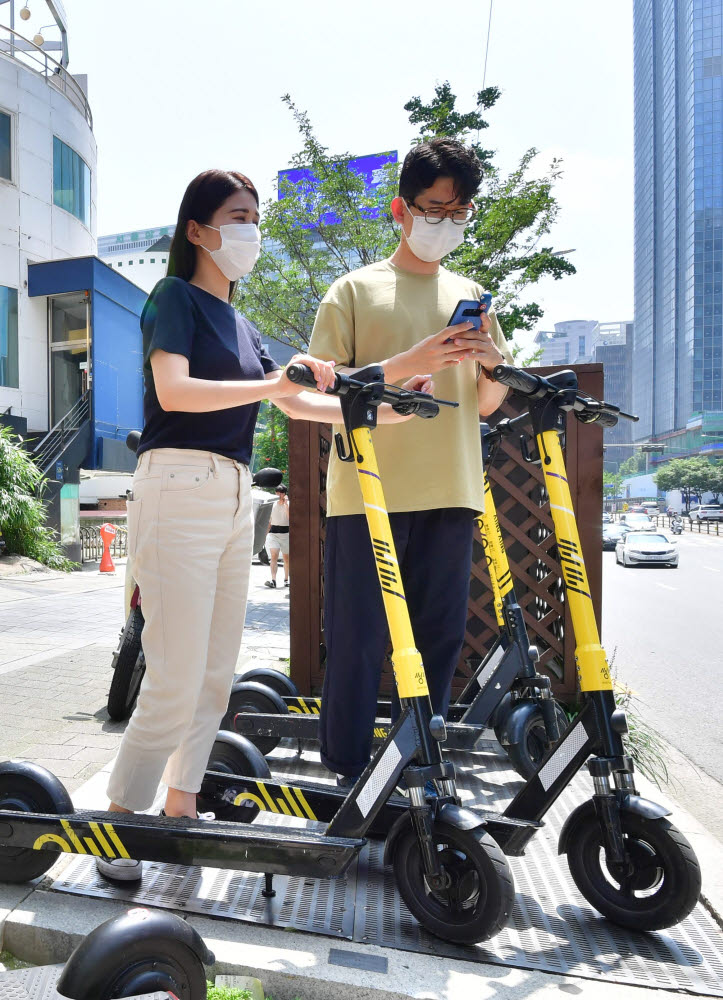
(665,585)
(712,569)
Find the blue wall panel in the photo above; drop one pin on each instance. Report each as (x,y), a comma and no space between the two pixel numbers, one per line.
(117,345)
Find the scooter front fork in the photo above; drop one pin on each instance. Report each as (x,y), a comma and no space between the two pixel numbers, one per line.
(422,814)
(607,797)
(547,709)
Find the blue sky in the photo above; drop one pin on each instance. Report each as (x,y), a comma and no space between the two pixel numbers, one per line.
(176,87)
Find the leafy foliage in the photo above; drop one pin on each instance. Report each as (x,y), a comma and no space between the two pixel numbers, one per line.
(691,476)
(22,511)
(271,442)
(312,236)
(633,465)
(305,250)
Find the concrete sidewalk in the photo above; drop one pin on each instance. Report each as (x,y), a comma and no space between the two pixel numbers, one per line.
(52,710)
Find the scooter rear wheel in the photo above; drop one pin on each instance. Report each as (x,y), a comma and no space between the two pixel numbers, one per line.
(248,697)
(273,679)
(233,754)
(660,885)
(478,899)
(29,788)
(128,669)
(527,754)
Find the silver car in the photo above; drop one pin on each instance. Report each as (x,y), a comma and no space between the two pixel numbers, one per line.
(638,548)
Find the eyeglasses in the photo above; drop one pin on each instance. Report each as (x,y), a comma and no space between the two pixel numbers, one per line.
(459,216)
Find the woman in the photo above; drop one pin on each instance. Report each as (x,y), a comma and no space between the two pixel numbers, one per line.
(190,523)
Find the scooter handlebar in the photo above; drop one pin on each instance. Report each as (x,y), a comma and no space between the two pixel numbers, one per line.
(517,379)
(303,375)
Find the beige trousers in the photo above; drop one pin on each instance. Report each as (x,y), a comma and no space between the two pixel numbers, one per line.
(190,535)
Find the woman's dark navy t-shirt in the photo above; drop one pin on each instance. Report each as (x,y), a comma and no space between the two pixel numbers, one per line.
(220,345)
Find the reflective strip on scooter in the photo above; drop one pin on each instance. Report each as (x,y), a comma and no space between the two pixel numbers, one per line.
(573,742)
(383,770)
(485,675)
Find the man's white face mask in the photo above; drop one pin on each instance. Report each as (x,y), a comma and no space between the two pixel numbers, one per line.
(239,250)
(432,242)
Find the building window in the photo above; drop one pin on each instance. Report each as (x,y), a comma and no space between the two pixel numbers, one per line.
(129,263)
(6,156)
(140,260)
(71,181)
(163,260)
(120,263)
(153,260)
(581,346)
(9,337)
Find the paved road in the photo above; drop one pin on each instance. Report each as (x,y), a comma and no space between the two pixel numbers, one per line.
(667,628)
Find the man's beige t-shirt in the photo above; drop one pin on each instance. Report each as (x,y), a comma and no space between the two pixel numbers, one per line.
(373,314)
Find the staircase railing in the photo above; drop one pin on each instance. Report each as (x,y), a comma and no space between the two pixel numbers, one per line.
(49,449)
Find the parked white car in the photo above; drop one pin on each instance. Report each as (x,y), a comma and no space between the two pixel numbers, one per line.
(638,548)
(706,512)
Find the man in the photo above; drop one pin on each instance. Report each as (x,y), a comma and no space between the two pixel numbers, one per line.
(396,313)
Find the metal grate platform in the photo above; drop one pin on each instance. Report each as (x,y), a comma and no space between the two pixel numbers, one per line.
(39,984)
(552,928)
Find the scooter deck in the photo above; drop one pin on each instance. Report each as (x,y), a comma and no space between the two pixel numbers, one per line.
(306,727)
(216,844)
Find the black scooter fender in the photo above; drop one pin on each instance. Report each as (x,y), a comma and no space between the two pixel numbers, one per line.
(449,812)
(510,724)
(630,804)
(83,976)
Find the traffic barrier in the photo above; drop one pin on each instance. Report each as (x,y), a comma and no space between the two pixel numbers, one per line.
(107,533)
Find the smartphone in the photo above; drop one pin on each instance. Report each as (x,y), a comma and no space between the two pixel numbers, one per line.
(470,310)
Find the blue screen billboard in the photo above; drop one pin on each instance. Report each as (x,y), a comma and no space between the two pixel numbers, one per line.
(370,168)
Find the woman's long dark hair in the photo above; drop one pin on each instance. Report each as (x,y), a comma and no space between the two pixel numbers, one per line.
(204,195)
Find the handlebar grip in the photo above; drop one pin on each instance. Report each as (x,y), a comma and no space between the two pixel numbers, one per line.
(426,408)
(517,379)
(303,375)
(606,419)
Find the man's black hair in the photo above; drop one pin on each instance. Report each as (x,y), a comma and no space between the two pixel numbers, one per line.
(281,489)
(441,157)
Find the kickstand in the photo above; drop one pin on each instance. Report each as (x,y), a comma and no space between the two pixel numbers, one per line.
(268,892)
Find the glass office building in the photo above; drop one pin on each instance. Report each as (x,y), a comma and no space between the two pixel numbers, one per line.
(678,55)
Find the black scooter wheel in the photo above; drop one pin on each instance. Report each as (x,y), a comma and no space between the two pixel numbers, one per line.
(233,754)
(478,899)
(248,697)
(526,755)
(273,679)
(128,669)
(658,887)
(141,968)
(29,788)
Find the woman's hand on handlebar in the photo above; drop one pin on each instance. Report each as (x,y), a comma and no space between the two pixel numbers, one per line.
(323,372)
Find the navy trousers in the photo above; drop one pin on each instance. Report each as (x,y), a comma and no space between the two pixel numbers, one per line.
(434,549)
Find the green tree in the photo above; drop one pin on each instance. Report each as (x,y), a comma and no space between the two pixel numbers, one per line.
(271,441)
(694,475)
(612,483)
(633,465)
(313,236)
(22,511)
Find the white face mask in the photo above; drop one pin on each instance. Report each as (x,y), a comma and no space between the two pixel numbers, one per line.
(432,242)
(239,250)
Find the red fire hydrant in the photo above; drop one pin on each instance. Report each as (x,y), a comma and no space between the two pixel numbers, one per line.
(107,532)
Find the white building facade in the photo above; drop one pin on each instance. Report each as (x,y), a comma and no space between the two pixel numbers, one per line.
(141,256)
(47,206)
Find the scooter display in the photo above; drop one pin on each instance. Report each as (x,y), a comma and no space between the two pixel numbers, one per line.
(505,693)
(448,867)
(129,664)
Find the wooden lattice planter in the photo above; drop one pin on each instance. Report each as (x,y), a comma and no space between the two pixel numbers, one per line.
(526,523)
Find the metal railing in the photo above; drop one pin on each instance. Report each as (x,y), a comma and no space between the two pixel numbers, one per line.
(51,447)
(34,58)
(91,544)
(704,527)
